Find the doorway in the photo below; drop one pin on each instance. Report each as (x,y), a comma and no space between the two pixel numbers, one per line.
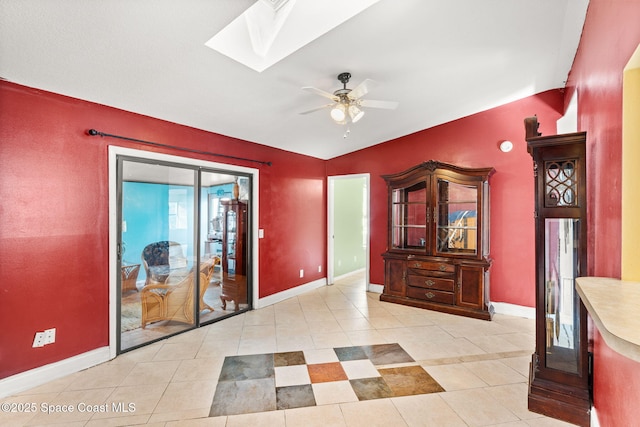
(184,252)
(348,227)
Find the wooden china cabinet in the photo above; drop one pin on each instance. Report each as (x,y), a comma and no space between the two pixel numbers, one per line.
(234,246)
(438,239)
(559,378)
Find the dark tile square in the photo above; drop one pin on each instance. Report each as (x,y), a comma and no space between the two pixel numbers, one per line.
(244,397)
(350,353)
(386,354)
(371,388)
(290,358)
(297,396)
(410,380)
(326,372)
(252,367)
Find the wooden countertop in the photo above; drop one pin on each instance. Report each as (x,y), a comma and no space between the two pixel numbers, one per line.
(614,306)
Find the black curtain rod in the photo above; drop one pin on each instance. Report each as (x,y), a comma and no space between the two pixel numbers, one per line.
(94,132)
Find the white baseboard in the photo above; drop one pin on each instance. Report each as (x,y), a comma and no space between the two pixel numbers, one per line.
(44,374)
(290,293)
(514,310)
(372,287)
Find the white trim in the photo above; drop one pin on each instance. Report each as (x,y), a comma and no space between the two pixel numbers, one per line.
(115,151)
(377,289)
(44,374)
(290,293)
(514,310)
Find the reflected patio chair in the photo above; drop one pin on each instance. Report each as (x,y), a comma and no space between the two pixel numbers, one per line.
(159,259)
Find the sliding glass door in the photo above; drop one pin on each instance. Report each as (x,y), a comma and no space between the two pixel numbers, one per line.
(182,248)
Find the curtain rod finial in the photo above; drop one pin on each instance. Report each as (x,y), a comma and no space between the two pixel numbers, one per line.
(92,132)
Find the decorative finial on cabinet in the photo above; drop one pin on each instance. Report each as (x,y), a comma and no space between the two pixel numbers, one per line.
(531,127)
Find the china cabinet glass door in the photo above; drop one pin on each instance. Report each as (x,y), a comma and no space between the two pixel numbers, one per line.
(457,214)
(410,217)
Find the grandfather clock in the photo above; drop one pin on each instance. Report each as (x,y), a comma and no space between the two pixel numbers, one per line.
(559,383)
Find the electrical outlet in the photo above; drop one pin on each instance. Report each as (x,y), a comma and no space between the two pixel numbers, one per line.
(38,341)
(50,336)
(319,269)
(301,273)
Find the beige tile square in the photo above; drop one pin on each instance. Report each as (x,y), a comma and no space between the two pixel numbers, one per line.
(322,355)
(260,419)
(427,410)
(366,337)
(151,373)
(199,422)
(258,331)
(291,375)
(336,339)
(359,369)
(493,372)
(315,416)
(177,351)
(515,398)
(355,324)
(334,392)
(379,412)
(455,377)
(294,343)
(478,408)
(187,395)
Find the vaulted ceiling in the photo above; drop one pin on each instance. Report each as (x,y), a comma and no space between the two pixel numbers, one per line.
(440,60)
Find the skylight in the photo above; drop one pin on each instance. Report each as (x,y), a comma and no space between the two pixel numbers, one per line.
(271,30)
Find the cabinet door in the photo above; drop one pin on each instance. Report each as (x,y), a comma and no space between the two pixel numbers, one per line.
(395,277)
(470,287)
(410,215)
(456,218)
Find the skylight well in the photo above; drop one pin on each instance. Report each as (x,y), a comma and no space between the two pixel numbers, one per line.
(271,30)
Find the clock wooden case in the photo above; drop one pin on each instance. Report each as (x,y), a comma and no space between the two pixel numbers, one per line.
(438,239)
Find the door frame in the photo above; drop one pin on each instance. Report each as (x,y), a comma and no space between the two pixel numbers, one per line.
(331,180)
(114,152)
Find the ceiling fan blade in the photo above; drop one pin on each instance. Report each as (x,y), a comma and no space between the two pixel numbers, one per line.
(316,109)
(362,89)
(372,103)
(320,92)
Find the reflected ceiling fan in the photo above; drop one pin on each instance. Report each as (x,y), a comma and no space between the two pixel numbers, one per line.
(347,103)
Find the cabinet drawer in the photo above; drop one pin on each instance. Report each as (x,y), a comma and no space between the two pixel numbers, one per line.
(432,265)
(430,295)
(431,283)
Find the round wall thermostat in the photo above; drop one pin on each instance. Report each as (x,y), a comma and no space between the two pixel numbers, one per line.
(506,146)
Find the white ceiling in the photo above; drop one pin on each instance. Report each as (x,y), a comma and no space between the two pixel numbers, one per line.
(440,59)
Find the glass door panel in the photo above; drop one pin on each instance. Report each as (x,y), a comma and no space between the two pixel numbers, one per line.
(224,245)
(409,217)
(157,251)
(457,218)
(561,301)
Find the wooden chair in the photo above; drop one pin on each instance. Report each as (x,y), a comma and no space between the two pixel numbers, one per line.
(171,300)
(206,273)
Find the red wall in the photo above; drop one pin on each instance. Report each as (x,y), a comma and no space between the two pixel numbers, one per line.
(473,142)
(54,216)
(611,34)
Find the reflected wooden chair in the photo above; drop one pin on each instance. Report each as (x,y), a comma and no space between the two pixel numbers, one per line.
(207,269)
(171,300)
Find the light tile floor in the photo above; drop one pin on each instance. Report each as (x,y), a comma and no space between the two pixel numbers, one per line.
(483,366)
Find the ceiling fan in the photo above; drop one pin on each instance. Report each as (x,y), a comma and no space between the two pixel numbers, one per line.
(347,103)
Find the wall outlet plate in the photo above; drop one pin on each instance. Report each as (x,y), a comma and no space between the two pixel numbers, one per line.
(38,341)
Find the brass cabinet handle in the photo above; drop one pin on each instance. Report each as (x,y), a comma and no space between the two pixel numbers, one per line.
(429,282)
(417,264)
(442,267)
(429,295)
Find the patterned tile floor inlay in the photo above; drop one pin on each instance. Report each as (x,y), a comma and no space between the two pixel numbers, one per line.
(269,382)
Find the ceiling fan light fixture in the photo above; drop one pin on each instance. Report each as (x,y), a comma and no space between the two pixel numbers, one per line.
(338,112)
(355,113)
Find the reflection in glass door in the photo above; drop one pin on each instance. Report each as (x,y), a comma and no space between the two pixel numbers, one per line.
(183,248)
(157,251)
